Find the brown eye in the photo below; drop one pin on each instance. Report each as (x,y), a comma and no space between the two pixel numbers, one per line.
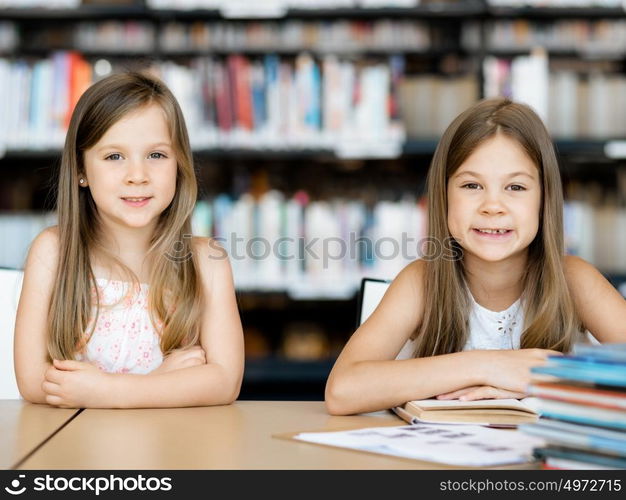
(470,185)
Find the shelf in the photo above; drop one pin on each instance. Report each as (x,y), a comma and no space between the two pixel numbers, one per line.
(589,148)
(459,10)
(282,379)
(572,147)
(84,12)
(277,369)
(160,54)
(428,53)
(462,10)
(303,288)
(350,292)
(553,12)
(556,53)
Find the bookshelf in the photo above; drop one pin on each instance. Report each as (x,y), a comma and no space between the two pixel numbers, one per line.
(431,59)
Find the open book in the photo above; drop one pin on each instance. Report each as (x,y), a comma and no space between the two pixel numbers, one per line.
(494,412)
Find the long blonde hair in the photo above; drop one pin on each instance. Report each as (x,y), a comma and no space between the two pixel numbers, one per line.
(101,106)
(550,319)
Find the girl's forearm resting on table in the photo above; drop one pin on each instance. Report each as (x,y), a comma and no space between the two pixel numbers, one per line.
(30,387)
(75,384)
(374,385)
(201,385)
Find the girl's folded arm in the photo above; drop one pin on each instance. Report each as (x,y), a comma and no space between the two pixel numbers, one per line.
(203,385)
(366,376)
(31,323)
(219,380)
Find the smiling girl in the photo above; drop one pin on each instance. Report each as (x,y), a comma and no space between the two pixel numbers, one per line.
(120,306)
(472,327)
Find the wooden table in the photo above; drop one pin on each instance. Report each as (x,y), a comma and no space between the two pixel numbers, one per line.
(238,436)
(24,427)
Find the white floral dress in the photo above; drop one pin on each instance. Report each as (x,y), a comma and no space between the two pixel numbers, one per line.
(124,339)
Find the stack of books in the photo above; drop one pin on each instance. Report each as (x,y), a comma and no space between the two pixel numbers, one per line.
(582,400)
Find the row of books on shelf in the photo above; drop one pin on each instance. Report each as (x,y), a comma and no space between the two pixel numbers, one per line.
(322,248)
(335,36)
(429,103)
(606,37)
(596,231)
(377,241)
(268,102)
(572,104)
(171,38)
(105,36)
(313,247)
(356,109)
(582,401)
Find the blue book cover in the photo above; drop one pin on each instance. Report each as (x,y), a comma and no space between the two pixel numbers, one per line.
(580,456)
(594,373)
(587,361)
(36,90)
(271,64)
(222,207)
(258,96)
(578,436)
(60,84)
(581,414)
(605,352)
(313,116)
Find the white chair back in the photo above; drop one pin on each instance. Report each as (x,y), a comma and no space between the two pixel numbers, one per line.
(372,291)
(10,289)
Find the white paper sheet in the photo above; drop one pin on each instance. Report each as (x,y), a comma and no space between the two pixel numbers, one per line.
(462,445)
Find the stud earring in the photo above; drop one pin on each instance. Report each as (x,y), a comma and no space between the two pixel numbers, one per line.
(82,181)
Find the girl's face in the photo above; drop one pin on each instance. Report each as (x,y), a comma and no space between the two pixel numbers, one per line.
(494,201)
(131,170)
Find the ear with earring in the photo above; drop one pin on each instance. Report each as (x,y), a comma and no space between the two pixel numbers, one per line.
(81,181)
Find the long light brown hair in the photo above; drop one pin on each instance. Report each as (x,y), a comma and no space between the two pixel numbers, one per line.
(550,321)
(101,106)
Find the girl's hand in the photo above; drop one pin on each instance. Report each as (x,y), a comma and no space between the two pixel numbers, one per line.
(510,369)
(481,392)
(182,358)
(75,384)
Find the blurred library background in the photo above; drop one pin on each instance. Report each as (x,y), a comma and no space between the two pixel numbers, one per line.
(313,123)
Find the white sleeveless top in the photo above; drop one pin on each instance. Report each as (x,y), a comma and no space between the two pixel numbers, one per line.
(124,339)
(487,329)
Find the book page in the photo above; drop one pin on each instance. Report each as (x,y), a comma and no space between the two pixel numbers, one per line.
(461,445)
(527,404)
